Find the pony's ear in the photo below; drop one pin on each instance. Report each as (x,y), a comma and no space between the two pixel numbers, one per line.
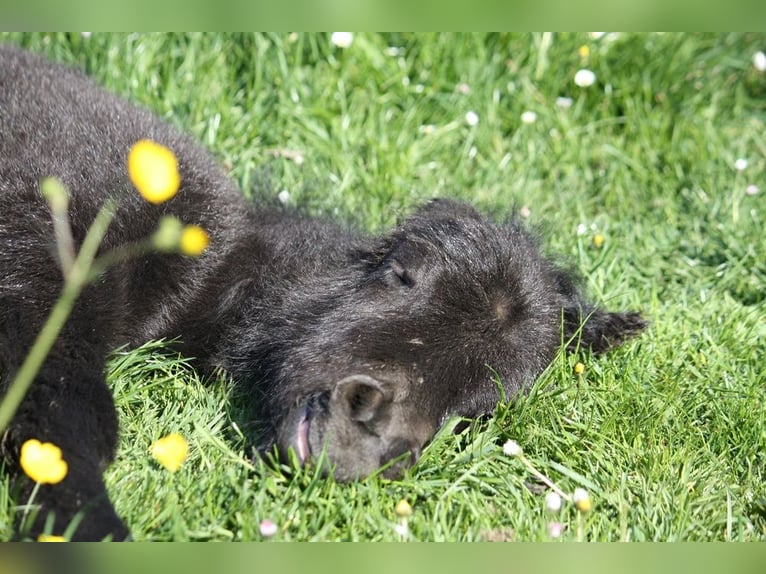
(586,325)
(440,208)
(599,330)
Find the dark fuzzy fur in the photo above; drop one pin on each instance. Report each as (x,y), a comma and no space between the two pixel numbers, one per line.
(359,345)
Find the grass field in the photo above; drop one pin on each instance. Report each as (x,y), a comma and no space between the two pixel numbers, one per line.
(667,434)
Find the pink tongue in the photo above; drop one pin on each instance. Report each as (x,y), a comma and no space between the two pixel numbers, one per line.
(303,440)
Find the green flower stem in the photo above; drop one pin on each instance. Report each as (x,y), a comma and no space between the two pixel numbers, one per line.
(544,479)
(118,254)
(74,283)
(28,507)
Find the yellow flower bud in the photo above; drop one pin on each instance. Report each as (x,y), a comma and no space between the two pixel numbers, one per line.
(42,462)
(55,193)
(403,509)
(168,234)
(153,169)
(579,369)
(170,451)
(194,240)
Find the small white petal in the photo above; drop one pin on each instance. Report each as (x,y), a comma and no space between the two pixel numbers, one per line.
(555,529)
(528,117)
(759,61)
(471,118)
(579,495)
(342,39)
(512,448)
(740,164)
(584,78)
(582,229)
(752,189)
(553,501)
(267,528)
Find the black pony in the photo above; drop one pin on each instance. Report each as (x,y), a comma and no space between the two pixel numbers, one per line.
(356,345)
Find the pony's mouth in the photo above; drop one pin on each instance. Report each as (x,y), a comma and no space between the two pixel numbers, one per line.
(302,445)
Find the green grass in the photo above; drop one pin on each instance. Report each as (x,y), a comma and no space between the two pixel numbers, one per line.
(667,434)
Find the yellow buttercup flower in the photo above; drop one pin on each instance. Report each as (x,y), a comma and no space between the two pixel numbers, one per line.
(579,369)
(170,451)
(194,240)
(598,240)
(153,169)
(50,538)
(42,462)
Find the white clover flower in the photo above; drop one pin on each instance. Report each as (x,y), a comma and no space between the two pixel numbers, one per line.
(564,102)
(584,78)
(512,448)
(553,501)
(464,88)
(528,117)
(752,189)
(267,528)
(555,529)
(342,39)
(740,164)
(471,118)
(87,35)
(283,196)
(759,61)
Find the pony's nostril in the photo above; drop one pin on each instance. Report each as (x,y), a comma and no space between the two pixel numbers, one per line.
(403,452)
